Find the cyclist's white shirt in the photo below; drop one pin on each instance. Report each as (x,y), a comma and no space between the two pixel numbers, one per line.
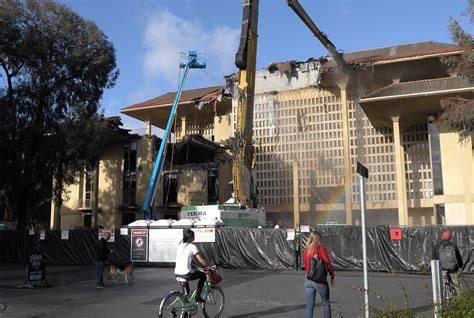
(184,255)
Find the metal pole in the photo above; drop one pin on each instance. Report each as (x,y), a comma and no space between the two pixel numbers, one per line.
(364,243)
(296,194)
(437,291)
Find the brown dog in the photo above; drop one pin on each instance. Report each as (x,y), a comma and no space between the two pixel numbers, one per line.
(124,269)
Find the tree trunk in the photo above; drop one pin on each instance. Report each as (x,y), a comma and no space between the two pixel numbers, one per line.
(57,217)
(58,200)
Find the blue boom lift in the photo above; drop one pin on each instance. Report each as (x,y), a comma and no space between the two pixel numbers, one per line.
(192,62)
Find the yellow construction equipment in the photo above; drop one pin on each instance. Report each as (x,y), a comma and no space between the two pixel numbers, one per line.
(245,60)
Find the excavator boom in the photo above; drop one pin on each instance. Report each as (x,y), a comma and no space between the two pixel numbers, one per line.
(245,60)
(300,12)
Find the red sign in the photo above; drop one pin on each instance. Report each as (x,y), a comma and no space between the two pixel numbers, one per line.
(139,232)
(395,234)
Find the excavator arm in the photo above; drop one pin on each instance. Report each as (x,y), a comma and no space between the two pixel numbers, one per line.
(300,12)
(245,60)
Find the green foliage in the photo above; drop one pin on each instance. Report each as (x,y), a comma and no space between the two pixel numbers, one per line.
(461,306)
(54,67)
(397,313)
(458,115)
(458,112)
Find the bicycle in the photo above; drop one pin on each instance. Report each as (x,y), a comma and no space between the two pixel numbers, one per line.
(181,304)
(449,288)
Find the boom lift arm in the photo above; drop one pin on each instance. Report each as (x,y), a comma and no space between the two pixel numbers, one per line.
(191,62)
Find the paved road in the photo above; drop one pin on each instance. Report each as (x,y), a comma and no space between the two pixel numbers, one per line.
(249,293)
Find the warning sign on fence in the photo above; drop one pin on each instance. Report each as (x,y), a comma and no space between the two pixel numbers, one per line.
(290,234)
(110,231)
(204,235)
(64,234)
(395,234)
(139,245)
(305,229)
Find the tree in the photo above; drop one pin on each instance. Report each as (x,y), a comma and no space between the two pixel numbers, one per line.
(54,67)
(458,112)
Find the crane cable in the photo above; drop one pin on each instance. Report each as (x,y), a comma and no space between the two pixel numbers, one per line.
(211,77)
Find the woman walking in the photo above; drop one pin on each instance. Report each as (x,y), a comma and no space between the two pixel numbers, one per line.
(315,249)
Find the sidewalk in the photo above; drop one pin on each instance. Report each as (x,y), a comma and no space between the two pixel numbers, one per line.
(249,293)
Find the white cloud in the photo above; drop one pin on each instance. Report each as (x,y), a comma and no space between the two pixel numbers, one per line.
(166,35)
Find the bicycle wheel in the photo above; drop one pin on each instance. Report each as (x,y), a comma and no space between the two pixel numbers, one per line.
(450,291)
(171,305)
(213,305)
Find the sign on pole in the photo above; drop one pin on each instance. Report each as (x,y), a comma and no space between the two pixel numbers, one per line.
(204,235)
(139,245)
(42,234)
(290,234)
(110,231)
(364,173)
(64,234)
(305,229)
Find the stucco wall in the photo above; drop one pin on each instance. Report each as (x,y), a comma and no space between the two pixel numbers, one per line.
(455,213)
(70,221)
(458,178)
(110,181)
(421,216)
(222,127)
(451,153)
(192,187)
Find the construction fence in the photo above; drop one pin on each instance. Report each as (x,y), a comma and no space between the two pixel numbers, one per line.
(407,249)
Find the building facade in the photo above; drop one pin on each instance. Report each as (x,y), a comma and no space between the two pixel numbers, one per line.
(382,113)
(197,168)
(110,193)
(324,122)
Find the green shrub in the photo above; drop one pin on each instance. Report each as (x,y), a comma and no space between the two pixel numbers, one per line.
(461,306)
(397,313)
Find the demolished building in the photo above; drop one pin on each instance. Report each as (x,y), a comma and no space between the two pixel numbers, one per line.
(328,121)
(384,116)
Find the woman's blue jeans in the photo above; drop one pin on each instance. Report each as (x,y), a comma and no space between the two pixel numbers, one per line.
(323,291)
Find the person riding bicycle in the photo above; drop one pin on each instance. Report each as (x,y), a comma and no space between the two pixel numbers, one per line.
(184,256)
(450,258)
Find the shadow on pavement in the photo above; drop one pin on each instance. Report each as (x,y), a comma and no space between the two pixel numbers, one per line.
(269,312)
(276,310)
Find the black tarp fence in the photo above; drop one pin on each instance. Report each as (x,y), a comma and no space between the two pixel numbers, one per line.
(261,248)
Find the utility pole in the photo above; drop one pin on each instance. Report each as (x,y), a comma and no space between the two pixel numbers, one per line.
(364,174)
(296,195)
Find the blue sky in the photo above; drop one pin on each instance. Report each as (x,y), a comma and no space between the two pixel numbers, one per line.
(148,36)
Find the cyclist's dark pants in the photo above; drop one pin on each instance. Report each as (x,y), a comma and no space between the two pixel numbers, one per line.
(193,276)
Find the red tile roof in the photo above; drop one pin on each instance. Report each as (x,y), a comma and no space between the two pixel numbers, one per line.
(422,86)
(205,93)
(395,52)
